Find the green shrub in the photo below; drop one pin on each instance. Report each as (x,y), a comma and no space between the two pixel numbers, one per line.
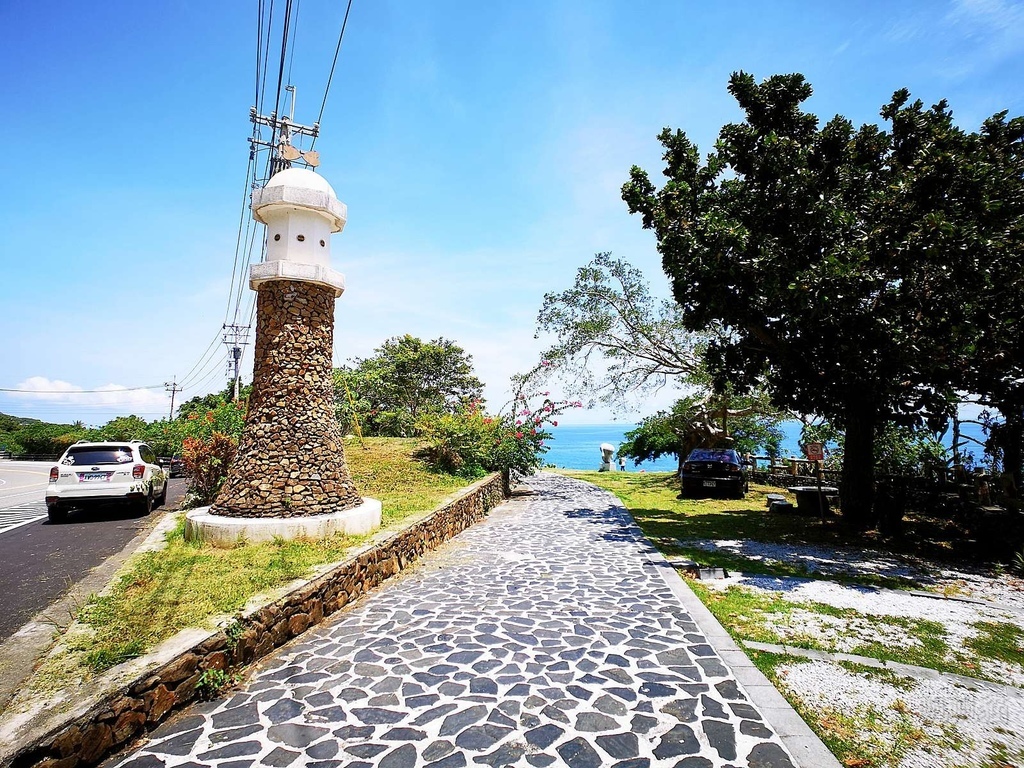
(472,442)
(206,462)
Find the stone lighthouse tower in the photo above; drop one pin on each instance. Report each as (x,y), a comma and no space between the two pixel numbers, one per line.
(290,478)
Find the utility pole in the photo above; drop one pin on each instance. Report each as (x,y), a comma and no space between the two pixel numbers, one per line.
(235,337)
(283,129)
(174,389)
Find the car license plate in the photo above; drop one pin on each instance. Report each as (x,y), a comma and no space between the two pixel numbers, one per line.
(709,483)
(93,476)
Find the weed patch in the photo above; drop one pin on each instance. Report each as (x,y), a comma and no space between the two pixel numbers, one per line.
(213,682)
(1000,641)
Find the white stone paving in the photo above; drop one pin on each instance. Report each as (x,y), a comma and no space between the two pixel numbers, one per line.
(544,635)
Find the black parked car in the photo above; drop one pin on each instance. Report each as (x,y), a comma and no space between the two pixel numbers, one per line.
(174,465)
(711,470)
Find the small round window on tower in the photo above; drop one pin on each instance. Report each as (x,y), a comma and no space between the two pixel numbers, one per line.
(322,244)
(277,237)
(300,238)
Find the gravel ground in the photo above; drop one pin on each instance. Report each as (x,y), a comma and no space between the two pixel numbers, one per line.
(959,726)
(924,724)
(846,634)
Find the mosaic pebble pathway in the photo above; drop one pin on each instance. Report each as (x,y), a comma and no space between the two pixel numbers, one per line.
(545,635)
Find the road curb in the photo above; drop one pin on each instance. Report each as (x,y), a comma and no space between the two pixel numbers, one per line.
(20,652)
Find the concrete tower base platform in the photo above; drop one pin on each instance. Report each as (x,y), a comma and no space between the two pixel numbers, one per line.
(223,531)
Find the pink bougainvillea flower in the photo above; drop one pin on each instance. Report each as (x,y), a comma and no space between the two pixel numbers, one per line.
(519,434)
(554,423)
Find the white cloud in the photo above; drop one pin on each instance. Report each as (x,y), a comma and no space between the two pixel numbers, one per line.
(40,389)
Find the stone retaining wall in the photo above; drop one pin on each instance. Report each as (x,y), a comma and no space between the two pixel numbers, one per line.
(88,735)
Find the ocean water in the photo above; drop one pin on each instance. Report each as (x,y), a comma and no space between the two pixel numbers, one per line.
(578,446)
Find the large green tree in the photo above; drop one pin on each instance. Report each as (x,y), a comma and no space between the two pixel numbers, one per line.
(992,363)
(612,338)
(843,262)
(405,380)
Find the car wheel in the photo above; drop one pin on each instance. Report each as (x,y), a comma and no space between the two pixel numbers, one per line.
(146,504)
(163,495)
(56,513)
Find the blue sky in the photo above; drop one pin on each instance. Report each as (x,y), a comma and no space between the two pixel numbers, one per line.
(479,146)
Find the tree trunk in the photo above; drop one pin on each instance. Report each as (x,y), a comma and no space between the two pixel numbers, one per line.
(1013,449)
(857,486)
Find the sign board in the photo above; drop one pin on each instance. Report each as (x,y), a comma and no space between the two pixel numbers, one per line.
(815,452)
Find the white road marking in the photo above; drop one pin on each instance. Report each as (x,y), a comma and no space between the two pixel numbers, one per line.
(23,514)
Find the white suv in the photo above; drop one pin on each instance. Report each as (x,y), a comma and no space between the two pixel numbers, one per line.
(105,473)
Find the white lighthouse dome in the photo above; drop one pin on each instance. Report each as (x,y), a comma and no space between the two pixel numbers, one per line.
(302,178)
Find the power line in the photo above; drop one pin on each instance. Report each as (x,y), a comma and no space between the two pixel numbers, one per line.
(284,51)
(291,54)
(200,385)
(266,59)
(212,345)
(212,364)
(259,50)
(330,77)
(242,218)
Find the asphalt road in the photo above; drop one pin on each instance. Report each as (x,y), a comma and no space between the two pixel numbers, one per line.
(40,561)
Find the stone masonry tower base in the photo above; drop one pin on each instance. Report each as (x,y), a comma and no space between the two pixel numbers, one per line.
(291,459)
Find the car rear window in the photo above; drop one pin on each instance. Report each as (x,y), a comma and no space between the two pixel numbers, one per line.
(709,455)
(112,454)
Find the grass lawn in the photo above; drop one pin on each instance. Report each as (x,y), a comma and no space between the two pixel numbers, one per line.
(185,584)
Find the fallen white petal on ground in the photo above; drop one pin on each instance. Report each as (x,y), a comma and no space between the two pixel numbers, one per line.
(846,634)
(958,725)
